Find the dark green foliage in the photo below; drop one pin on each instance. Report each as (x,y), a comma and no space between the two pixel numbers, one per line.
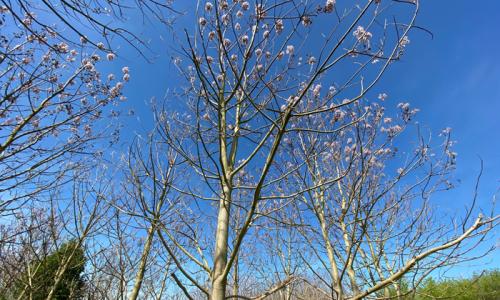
(45,272)
(484,286)
(479,287)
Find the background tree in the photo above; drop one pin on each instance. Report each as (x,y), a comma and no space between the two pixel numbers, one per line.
(52,98)
(53,238)
(52,142)
(38,280)
(376,223)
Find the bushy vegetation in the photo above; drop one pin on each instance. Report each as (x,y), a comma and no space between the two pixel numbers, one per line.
(484,286)
(65,265)
(480,286)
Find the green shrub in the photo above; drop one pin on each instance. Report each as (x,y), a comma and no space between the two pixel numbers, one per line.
(480,287)
(44,273)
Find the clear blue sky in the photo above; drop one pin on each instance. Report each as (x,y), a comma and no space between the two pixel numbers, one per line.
(454,78)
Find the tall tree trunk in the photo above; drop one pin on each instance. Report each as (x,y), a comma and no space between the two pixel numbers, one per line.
(334,273)
(142,265)
(349,261)
(236,286)
(219,279)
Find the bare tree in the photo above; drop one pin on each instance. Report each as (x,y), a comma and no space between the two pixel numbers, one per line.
(252,74)
(62,227)
(52,98)
(377,224)
(149,178)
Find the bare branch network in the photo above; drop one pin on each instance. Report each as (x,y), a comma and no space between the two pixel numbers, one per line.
(275,169)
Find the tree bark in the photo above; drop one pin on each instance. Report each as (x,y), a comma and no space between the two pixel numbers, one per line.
(142,265)
(219,280)
(334,274)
